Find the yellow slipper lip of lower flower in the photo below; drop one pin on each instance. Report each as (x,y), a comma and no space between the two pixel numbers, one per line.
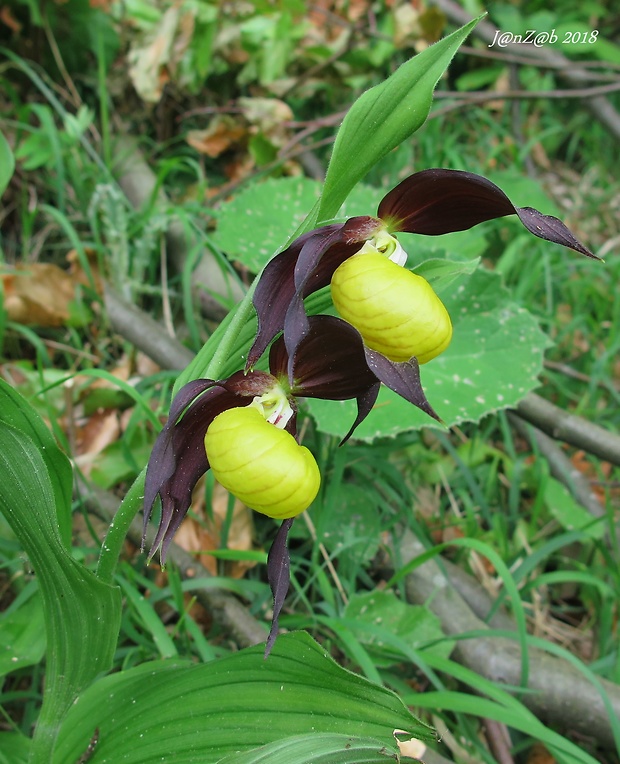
(396,311)
(260,464)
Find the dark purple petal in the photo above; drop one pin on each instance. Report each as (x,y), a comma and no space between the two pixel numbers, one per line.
(402,378)
(278,573)
(271,299)
(249,384)
(439,201)
(365,402)
(330,363)
(328,248)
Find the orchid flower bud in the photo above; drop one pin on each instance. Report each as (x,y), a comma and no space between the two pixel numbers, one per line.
(261,464)
(397,312)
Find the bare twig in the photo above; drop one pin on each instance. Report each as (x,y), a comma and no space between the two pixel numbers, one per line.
(518,94)
(525,60)
(561,467)
(568,70)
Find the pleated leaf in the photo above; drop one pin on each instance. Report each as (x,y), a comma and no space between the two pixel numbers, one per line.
(180,713)
(383,117)
(316,749)
(81,614)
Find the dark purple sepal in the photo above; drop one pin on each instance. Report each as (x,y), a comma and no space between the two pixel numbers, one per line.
(279,575)
(439,201)
(162,462)
(328,248)
(402,378)
(306,266)
(271,299)
(328,363)
(179,459)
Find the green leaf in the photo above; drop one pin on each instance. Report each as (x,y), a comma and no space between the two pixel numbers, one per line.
(441,273)
(494,360)
(7,164)
(384,117)
(316,749)
(257,222)
(569,514)
(14,748)
(82,615)
(178,712)
(415,625)
(22,636)
(16,412)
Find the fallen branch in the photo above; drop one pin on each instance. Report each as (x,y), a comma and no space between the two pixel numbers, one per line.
(139,184)
(558,693)
(225,608)
(145,333)
(575,430)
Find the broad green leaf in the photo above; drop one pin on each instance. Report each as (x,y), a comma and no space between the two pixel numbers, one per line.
(569,513)
(183,713)
(384,117)
(82,615)
(16,412)
(352,527)
(493,362)
(441,273)
(316,749)
(7,163)
(14,748)
(258,221)
(22,635)
(415,625)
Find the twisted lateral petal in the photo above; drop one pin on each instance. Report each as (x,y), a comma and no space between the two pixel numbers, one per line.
(396,312)
(438,201)
(260,464)
(402,378)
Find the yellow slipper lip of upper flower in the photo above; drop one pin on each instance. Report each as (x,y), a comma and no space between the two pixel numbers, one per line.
(260,464)
(396,311)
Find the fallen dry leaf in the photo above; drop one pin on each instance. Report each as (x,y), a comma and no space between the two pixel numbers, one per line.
(222,134)
(100,430)
(540,755)
(204,534)
(39,294)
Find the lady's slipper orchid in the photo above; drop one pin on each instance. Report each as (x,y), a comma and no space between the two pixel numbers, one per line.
(396,320)
(244,428)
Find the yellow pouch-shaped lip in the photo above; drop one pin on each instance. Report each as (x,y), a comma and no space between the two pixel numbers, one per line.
(396,311)
(260,464)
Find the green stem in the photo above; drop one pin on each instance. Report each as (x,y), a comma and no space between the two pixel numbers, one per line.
(238,321)
(117,532)
(132,503)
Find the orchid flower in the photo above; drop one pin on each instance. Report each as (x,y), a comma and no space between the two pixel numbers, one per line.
(396,312)
(244,429)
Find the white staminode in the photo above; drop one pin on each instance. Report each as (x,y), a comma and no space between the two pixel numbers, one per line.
(383,243)
(274,406)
